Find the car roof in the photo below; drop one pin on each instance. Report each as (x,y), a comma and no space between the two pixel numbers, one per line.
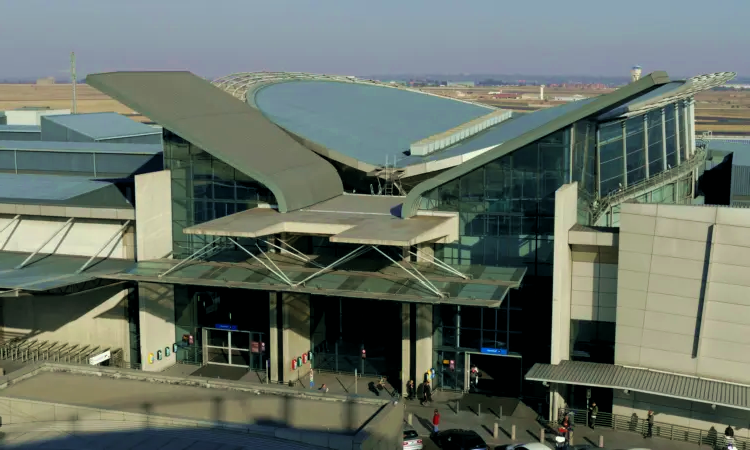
(534,446)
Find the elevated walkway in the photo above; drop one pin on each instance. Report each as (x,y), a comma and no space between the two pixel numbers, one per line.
(605,204)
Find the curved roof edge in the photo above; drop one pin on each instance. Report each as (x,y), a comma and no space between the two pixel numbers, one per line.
(230,130)
(411,203)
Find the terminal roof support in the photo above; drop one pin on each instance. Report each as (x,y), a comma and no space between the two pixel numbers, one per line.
(361,250)
(440,264)
(26,261)
(203,252)
(101,249)
(276,272)
(294,253)
(421,278)
(12,221)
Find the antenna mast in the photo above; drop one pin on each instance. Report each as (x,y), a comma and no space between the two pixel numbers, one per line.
(73,79)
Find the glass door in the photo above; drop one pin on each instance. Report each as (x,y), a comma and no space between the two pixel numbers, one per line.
(228,348)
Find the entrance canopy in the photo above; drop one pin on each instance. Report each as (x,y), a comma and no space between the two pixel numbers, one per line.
(483,286)
(643,380)
(37,272)
(348,218)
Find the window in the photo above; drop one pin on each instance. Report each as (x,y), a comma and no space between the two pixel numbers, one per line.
(655,143)
(670,128)
(634,150)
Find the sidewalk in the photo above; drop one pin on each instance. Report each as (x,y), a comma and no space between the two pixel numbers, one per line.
(527,430)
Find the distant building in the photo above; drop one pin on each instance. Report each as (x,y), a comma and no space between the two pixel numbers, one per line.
(501,95)
(46,81)
(31,115)
(461,84)
(569,98)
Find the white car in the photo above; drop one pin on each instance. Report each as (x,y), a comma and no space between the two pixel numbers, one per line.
(528,446)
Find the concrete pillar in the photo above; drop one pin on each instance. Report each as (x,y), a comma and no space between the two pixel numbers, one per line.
(157,317)
(295,316)
(423,344)
(274,349)
(426,253)
(566,215)
(405,346)
(153,216)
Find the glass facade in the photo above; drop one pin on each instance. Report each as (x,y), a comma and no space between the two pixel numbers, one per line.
(655,137)
(611,154)
(670,129)
(204,188)
(635,150)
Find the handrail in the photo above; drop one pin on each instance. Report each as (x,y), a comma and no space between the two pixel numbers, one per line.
(615,198)
(31,350)
(635,424)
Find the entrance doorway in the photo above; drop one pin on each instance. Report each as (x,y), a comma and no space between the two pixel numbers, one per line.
(451,371)
(501,375)
(234,348)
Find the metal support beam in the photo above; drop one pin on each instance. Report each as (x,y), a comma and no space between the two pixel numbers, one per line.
(293,253)
(286,278)
(12,221)
(197,254)
(279,274)
(101,249)
(426,284)
(26,261)
(361,250)
(440,264)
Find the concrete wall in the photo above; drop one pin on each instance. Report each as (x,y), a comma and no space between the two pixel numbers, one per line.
(95,317)
(423,344)
(153,214)
(385,430)
(83,237)
(682,412)
(566,204)
(157,328)
(296,333)
(31,117)
(684,290)
(594,283)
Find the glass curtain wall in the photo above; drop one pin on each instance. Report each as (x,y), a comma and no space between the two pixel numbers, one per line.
(635,151)
(670,130)
(204,188)
(506,208)
(611,165)
(655,142)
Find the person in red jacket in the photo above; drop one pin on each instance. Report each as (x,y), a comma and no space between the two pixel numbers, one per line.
(436,421)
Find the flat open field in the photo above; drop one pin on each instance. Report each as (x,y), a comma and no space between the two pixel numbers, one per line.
(59,96)
(722,112)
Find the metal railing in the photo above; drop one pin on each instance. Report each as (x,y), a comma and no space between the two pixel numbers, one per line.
(634,424)
(649,184)
(30,351)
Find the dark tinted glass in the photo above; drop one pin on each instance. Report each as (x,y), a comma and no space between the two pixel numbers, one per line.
(410,434)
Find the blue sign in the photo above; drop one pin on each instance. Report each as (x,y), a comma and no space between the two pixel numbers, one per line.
(495,351)
(222,326)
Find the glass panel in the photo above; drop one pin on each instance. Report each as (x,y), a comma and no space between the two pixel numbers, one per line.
(611,170)
(655,146)
(241,340)
(218,355)
(636,155)
(670,129)
(218,338)
(240,358)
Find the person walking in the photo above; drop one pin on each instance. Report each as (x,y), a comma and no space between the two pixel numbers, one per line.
(410,390)
(594,411)
(475,375)
(435,421)
(650,421)
(426,393)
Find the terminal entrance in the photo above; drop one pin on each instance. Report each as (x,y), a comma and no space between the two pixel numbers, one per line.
(234,348)
(501,375)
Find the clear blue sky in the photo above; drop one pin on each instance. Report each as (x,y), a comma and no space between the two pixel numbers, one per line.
(211,38)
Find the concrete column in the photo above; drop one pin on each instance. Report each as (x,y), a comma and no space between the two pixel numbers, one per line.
(423,344)
(295,316)
(157,317)
(566,207)
(405,346)
(274,350)
(153,216)
(426,253)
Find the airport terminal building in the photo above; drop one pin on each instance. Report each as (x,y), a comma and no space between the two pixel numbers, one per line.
(353,226)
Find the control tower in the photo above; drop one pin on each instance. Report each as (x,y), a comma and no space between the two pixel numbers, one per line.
(635,73)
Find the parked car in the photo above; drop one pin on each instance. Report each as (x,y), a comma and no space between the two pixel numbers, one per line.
(412,441)
(460,440)
(528,446)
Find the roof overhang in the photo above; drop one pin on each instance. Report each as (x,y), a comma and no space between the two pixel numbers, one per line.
(350,219)
(360,278)
(647,381)
(413,201)
(45,272)
(599,236)
(230,130)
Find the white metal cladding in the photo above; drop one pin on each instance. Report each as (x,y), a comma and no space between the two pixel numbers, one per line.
(643,380)
(447,138)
